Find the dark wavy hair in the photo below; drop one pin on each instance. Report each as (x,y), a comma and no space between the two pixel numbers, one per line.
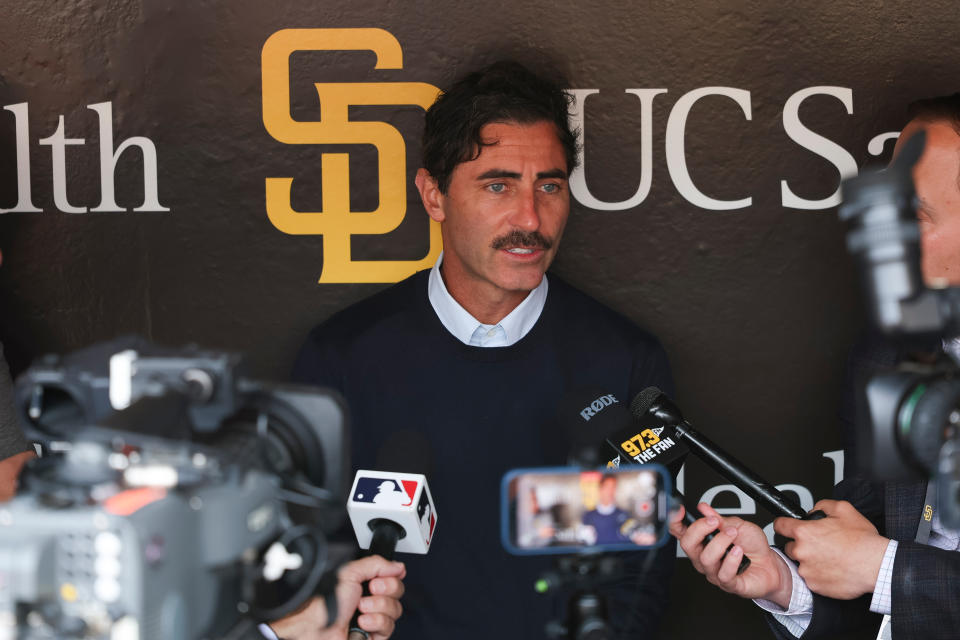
(504,91)
(946,108)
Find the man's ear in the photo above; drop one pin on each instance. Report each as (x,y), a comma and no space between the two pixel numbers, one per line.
(430,194)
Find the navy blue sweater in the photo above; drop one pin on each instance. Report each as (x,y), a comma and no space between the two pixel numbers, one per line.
(479,412)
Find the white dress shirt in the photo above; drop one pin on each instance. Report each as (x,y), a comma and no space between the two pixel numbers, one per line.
(468,330)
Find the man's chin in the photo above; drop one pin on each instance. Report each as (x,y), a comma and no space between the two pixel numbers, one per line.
(522,283)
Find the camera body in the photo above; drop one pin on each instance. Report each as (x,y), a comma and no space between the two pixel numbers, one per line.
(174,498)
(908,415)
(144,562)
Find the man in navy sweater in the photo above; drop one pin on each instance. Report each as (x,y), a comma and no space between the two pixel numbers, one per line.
(464,365)
(607,518)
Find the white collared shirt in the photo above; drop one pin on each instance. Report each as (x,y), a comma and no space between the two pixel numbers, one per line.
(468,330)
(606,509)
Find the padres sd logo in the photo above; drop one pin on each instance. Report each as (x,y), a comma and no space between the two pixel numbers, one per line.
(337,222)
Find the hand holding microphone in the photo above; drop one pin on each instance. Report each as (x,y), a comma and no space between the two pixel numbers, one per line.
(719,557)
(389,512)
(769,577)
(840,555)
(629,439)
(839,550)
(379,610)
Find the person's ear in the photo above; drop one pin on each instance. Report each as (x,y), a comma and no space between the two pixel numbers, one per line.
(430,195)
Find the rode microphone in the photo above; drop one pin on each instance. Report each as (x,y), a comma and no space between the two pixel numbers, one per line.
(591,414)
(651,402)
(390,512)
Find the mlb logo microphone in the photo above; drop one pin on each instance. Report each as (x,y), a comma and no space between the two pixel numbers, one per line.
(401,498)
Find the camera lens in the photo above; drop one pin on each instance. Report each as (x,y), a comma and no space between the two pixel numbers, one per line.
(925,414)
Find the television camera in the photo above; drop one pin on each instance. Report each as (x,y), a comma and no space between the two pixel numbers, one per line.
(908,415)
(173,499)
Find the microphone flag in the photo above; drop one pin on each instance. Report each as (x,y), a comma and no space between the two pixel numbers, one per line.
(402,498)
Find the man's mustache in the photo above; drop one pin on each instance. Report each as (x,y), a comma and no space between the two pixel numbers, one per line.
(525,239)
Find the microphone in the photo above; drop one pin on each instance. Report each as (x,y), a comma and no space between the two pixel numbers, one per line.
(590,411)
(390,512)
(651,402)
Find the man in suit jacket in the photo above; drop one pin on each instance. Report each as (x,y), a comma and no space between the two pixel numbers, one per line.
(842,572)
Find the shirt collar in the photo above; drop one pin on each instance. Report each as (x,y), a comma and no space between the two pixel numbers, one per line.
(606,509)
(458,321)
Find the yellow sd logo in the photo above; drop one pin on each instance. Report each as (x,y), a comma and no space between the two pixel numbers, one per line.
(337,222)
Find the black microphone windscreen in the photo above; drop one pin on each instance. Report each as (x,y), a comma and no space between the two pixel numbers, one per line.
(586,417)
(643,401)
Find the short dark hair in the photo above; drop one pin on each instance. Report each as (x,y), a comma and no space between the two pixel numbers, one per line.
(945,108)
(608,476)
(505,91)
(939,109)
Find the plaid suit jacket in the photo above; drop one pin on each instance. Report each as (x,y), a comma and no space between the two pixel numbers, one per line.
(926,580)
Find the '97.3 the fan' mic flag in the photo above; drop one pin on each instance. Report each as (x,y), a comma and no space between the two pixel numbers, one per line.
(589,415)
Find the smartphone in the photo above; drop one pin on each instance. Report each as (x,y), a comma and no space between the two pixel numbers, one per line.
(564,510)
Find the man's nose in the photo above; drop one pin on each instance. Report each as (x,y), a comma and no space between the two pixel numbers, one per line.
(525,215)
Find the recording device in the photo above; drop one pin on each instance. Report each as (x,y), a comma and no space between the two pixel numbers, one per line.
(651,403)
(586,563)
(564,510)
(585,515)
(390,512)
(175,498)
(907,416)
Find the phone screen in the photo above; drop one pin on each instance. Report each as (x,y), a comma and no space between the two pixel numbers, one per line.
(563,510)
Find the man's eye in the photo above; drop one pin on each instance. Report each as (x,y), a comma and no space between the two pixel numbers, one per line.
(497,187)
(551,187)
